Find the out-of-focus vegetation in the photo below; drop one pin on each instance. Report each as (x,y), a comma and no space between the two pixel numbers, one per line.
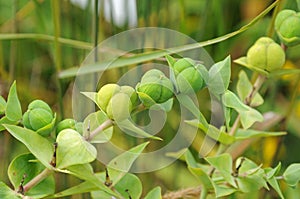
(39,39)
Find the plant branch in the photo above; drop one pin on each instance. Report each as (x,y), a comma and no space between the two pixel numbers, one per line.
(37,179)
(191,192)
(108,123)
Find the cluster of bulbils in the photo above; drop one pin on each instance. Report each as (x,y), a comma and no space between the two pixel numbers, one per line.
(155,88)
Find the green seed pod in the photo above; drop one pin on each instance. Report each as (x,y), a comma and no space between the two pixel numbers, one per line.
(287,26)
(105,93)
(119,107)
(188,76)
(266,55)
(65,124)
(154,87)
(39,117)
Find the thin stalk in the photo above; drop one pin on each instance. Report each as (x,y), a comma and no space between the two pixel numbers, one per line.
(203,194)
(57,51)
(35,36)
(96,20)
(276,10)
(37,179)
(99,129)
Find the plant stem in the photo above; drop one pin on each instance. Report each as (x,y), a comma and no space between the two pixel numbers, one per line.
(57,52)
(99,129)
(37,179)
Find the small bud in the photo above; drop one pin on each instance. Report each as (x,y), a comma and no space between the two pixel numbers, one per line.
(65,124)
(265,54)
(188,77)
(39,117)
(155,87)
(287,25)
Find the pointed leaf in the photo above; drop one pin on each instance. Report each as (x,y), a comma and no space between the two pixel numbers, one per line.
(199,171)
(274,184)
(223,163)
(39,146)
(272,172)
(92,96)
(189,104)
(92,122)
(121,164)
(73,149)
(171,61)
(223,190)
(85,172)
(292,174)
(5,120)
(155,193)
(219,77)
(242,134)
(13,107)
(2,105)
(7,193)
(243,62)
(244,87)
(127,125)
(24,165)
(213,132)
(248,115)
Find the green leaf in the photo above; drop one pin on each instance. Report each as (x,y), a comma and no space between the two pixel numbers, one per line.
(24,165)
(2,105)
(243,62)
(13,107)
(223,163)
(272,172)
(244,87)
(190,105)
(121,164)
(223,190)
(198,170)
(127,125)
(274,184)
(7,193)
(4,120)
(147,56)
(73,149)
(94,120)
(202,176)
(92,96)
(219,77)
(85,172)
(248,115)
(39,146)
(251,176)
(292,174)
(155,193)
(213,132)
(128,185)
(242,134)
(282,72)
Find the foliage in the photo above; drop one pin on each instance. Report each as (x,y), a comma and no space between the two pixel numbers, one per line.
(69,147)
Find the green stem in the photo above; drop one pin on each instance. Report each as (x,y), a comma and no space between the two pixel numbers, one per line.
(271,27)
(99,129)
(35,36)
(203,193)
(57,52)
(37,179)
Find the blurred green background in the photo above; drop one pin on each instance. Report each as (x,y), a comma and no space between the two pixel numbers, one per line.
(36,59)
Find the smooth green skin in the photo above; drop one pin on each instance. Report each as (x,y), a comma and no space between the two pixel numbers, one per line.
(119,107)
(105,93)
(266,55)
(156,85)
(131,93)
(188,77)
(287,25)
(65,124)
(39,116)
